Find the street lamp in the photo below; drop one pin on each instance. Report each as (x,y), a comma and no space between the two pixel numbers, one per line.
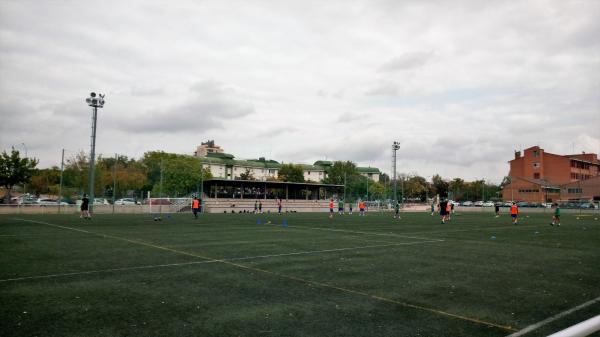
(95,101)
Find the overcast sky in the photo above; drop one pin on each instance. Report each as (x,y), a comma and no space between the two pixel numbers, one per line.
(461,84)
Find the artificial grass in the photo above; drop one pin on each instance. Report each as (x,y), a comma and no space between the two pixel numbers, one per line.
(227,275)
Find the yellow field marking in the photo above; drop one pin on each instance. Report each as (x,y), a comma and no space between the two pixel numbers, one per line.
(293,278)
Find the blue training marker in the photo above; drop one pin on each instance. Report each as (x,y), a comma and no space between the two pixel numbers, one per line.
(285,223)
(258,221)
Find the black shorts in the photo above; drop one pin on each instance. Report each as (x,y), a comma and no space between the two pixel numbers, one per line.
(84,207)
(443,212)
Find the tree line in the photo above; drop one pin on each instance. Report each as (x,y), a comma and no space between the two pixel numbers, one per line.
(122,176)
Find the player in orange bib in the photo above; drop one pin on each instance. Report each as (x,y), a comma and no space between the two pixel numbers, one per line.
(331,208)
(514,213)
(195,207)
(361,207)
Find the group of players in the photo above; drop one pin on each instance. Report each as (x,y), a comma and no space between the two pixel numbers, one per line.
(341,209)
(445,207)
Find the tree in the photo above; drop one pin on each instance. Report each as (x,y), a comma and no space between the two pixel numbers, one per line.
(291,173)
(458,187)
(181,173)
(440,186)
(15,170)
(130,175)
(247,175)
(341,172)
(416,187)
(45,180)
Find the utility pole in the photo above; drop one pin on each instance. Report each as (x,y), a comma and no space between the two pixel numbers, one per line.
(62,168)
(114,191)
(161,187)
(395,148)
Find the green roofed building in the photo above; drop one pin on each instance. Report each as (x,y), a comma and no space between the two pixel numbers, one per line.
(225,166)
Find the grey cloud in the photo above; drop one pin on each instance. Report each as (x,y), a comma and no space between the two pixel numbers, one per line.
(147,90)
(348,117)
(383,88)
(406,61)
(210,107)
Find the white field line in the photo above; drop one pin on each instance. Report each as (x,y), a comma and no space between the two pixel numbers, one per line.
(301,280)
(364,233)
(553,318)
(27,235)
(478,229)
(103,271)
(202,262)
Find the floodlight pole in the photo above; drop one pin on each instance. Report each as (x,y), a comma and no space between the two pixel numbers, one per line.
(94,102)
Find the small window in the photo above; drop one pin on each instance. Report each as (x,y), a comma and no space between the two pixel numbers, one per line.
(536,176)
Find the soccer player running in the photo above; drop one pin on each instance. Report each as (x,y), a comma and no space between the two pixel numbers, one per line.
(260,207)
(514,212)
(255,206)
(361,207)
(279,206)
(443,210)
(397,210)
(195,207)
(448,210)
(330,208)
(85,208)
(556,216)
(350,207)
(497,209)
(341,207)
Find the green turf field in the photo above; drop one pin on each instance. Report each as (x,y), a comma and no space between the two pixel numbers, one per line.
(226,275)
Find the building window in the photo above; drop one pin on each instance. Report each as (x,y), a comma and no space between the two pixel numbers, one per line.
(536,153)
(527,190)
(574,190)
(536,176)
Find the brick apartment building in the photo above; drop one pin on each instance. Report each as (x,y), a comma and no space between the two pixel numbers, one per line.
(539,176)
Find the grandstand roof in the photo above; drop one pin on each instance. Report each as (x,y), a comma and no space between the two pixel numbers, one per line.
(229,181)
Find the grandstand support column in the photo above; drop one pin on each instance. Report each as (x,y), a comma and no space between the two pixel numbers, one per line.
(265,196)
(287,192)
